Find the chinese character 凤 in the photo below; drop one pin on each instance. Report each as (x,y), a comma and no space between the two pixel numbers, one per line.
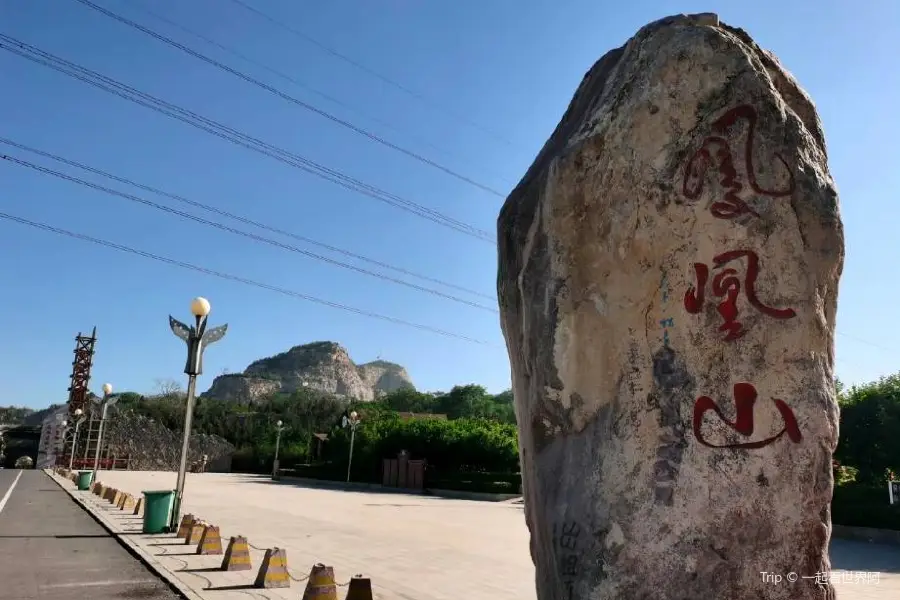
(744,401)
(716,149)
(727,286)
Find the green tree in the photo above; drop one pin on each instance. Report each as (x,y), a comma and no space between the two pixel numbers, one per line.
(870,429)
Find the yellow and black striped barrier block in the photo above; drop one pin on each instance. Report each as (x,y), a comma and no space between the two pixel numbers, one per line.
(184,529)
(195,533)
(360,588)
(320,585)
(210,541)
(237,555)
(273,571)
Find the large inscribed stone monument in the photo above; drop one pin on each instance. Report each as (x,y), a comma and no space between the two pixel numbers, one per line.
(668,278)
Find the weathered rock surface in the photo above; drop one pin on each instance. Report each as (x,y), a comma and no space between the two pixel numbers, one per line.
(153,447)
(323,366)
(670,264)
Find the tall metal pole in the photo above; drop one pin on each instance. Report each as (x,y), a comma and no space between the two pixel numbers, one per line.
(185,447)
(107,400)
(197,337)
(350,460)
(353,422)
(78,421)
(278,427)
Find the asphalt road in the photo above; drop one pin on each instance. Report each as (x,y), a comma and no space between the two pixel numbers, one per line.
(51,548)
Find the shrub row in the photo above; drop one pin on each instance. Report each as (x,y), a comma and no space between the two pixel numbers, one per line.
(864,506)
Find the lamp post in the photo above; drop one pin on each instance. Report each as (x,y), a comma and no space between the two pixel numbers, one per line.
(197,337)
(353,423)
(79,419)
(107,401)
(279,427)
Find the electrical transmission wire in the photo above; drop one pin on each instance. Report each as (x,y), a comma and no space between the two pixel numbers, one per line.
(238,279)
(107,84)
(231,50)
(239,232)
(239,218)
(370,71)
(288,97)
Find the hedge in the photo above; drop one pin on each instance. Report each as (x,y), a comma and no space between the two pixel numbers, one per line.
(491,483)
(864,506)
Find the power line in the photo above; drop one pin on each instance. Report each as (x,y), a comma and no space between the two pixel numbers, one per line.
(231,50)
(288,97)
(131,94)
(238,279)
(239,232)
(239,218)
(371,71)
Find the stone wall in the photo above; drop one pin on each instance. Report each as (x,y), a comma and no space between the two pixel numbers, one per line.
(153,447)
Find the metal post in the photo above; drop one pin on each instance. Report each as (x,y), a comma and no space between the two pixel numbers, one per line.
(99,439)
(277,446)
(74,443)
(197,337)
(185,447)
(350,460)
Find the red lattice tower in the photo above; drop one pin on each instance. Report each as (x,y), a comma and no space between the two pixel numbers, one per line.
(81,372)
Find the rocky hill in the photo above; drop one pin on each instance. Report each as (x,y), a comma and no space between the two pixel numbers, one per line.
(323,366)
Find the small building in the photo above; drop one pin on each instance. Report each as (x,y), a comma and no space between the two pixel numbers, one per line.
(52,437)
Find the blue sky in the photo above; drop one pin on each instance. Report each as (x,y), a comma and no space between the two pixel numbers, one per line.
(508,67)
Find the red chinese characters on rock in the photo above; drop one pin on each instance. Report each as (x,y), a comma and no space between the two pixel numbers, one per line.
(744,400)
(717,150)
(727,286)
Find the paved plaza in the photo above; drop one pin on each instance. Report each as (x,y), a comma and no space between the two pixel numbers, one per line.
(412,547)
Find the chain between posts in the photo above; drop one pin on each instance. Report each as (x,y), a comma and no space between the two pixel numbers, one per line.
(300,580)
(295,579)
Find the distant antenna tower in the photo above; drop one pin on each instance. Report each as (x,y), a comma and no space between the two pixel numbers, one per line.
(81,372)
(78,388)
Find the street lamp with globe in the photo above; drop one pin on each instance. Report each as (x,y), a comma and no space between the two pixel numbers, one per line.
(352,422)
(279,427)
(197,337)
(107,401)
(79,419)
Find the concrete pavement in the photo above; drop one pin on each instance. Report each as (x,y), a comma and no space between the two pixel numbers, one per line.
(51,548)
(412,547)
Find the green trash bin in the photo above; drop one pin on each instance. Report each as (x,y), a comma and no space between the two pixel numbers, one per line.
(157,504)
(84,480)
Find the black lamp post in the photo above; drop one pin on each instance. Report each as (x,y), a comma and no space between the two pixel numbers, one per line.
(79,419)
(107,401)
(197,337)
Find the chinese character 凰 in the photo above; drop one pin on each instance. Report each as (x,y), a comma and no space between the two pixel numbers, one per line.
(716,149)
(570,565)
(727,286)
(744,401)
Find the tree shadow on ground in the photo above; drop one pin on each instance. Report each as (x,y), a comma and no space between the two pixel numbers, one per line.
(851,555)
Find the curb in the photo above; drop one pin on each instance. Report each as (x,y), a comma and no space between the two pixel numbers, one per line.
(327,484)
(145,557)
